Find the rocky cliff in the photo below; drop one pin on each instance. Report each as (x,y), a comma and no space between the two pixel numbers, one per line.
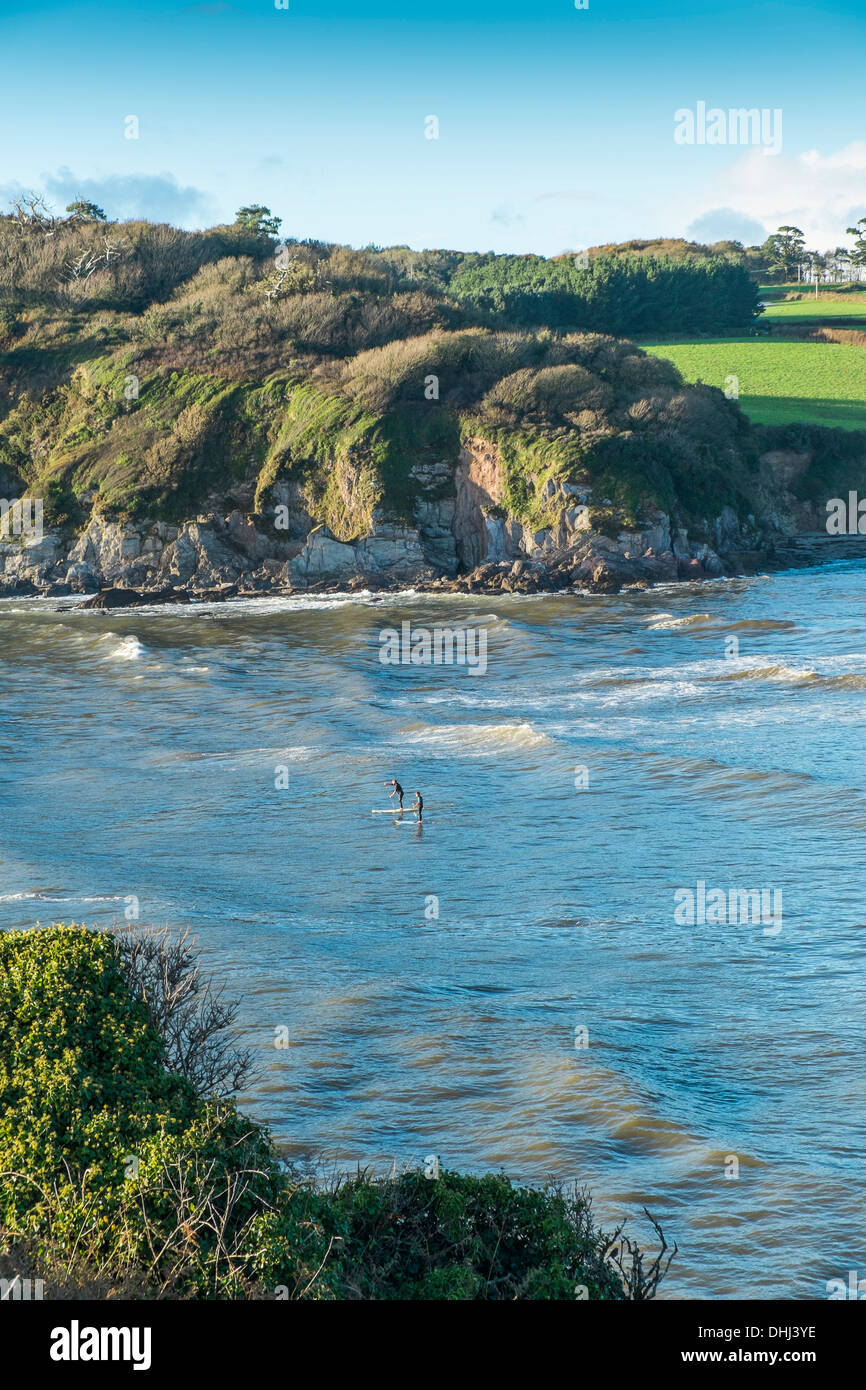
(196,417)
(463,537)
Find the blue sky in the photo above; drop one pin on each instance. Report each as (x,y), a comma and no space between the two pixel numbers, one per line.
(555,124)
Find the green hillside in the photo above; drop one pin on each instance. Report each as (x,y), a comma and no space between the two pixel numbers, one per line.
(151,372)
(781,381)
(148,371)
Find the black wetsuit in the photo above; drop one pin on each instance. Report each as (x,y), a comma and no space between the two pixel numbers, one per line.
(419,805)
(399,790)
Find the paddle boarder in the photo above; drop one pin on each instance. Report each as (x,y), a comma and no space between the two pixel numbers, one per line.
(398,791)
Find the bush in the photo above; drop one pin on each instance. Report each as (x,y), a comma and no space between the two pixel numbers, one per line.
(118,1178)
(111,1167)
(460,1237)
(552,393)
(194,1018)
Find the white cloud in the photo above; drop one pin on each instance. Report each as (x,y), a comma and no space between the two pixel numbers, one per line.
(157,197)
(507,215)
(724,224)
(820,194)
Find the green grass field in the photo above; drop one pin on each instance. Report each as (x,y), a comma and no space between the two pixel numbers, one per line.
(849,312)
(780,381)
(852,288)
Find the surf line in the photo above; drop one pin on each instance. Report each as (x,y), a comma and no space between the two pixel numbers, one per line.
(436,646)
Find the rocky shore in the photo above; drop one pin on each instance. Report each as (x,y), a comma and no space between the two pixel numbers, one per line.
(463,541)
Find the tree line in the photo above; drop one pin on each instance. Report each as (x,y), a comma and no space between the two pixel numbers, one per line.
(787,255)
(623,295)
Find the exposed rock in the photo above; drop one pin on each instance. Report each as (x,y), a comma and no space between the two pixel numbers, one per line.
(28,562)
(242,532)
(205,554)
(435,522)
(603,581)
(577,519)
(179,560)
(680,544)
(479,483)
(322,555)
(690,569)
(132,598)
(80,578)
(289,496)
(431,476)
(461,538)
(107,547)
(393,547)
(660,569)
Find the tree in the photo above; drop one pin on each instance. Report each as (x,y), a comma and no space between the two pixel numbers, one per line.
(84,265)
(784,250)
(80,210)
(258,219)
(858,251)
(815,264)
(291,276)
(841,263)
(32,213)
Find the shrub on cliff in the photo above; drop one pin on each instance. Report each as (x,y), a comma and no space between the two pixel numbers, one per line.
(460,1237)
(117,1177)
(112,1169)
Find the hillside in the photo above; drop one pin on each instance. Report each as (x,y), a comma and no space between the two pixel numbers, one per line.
(206,409)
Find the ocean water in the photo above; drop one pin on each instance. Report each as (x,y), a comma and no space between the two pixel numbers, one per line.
(436,983)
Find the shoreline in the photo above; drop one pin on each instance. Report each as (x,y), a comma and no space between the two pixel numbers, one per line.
(811,551)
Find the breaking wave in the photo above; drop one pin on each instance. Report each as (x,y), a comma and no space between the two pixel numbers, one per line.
(124,648)
(481,737)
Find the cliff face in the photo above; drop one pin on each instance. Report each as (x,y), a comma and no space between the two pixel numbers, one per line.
(462,536)
(198,419)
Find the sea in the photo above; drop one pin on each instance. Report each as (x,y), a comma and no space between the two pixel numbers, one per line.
(624,950)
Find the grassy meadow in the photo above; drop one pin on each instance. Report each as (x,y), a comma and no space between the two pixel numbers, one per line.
(848,311)
(781,381)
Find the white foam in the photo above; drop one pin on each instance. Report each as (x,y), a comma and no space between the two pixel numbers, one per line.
(478,736)
(124,649)
(665,622)
(254,757)
(50,898)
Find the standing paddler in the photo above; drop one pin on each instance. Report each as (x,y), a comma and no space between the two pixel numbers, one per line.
(398,791)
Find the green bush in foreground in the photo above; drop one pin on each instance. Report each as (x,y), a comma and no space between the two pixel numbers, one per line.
(118,1179)
(112,1168)
(463,1237)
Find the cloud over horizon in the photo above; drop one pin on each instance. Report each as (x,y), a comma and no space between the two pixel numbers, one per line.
(157,197)
(820,194)
(725,224)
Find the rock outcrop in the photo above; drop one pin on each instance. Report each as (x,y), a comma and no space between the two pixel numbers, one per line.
(463,536)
